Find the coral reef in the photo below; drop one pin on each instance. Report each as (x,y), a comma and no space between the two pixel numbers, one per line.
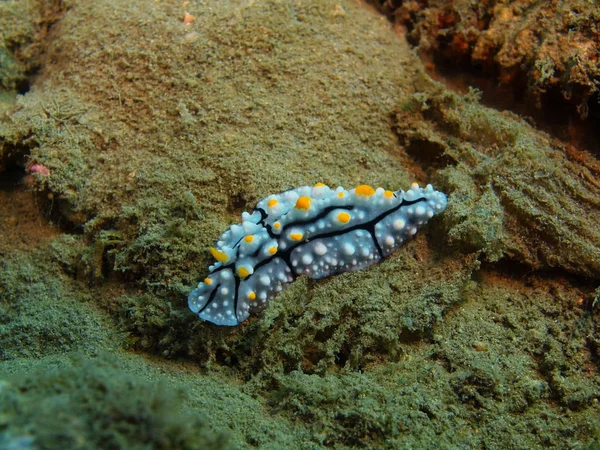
(547,49)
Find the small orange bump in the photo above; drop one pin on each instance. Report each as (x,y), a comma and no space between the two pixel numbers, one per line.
(188,19)
(273,250)
(364,189)
(319,185)
(272,202)
(303,202)
(249,238)
(277,225)
(207,281)
(219,255)
(388,194)
(252,295)
(243,272)
(340,194)
(296,236)
(343,217)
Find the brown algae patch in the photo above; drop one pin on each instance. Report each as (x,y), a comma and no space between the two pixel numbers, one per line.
(23,224)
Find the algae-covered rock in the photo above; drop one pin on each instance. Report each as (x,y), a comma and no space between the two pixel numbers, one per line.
(56,129)
(24,28)
(502,362)
(514,191)
(355,320)
(20,47)
(44,312)
(93,404)
(158,125)
(238,104)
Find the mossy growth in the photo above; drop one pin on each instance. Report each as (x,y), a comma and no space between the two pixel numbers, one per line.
(513,192)
(152,238)
(494,375)
(349,411)
(153,323)
(19,21)
(356,320)
(24,29)
(93,404)
(23,38)
(43,311)
(55,130)
(349,321)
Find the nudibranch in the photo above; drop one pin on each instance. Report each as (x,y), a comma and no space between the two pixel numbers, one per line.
(311,230)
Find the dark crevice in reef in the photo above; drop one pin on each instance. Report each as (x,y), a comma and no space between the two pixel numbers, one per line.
(23,224)
(576,125)
(12,178)
(423,155)
(16,180)
(565,111)
(24,85)
(428,154)
(13,156)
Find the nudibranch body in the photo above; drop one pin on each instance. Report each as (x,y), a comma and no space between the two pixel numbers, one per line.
(311,230)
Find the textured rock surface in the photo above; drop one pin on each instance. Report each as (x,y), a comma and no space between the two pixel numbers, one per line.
(547,49)
(516,192)
(156,135)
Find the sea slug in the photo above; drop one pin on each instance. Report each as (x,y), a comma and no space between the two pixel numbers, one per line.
(311,230)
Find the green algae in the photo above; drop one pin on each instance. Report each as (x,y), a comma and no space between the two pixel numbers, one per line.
(19,23)
(481,380)
(58,128)
(24,26)
(92,404)
(163,235)
(56,391)
(44,312)
(516,193)
(350,321)
(355,320)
